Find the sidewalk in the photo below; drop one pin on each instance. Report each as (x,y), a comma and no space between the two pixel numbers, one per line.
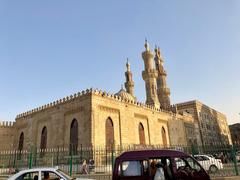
(226,178)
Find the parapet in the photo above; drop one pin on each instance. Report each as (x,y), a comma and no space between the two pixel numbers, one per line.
(88,92)
(6,124)
(55,103)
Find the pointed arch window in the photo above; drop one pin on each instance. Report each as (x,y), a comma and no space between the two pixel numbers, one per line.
(43,144)
(109,133)
(20,145)
(141,134)
(21,141)
(74,137)
(164,137)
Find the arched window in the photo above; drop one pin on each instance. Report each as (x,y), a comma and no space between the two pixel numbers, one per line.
(20,145)
(141,134)
(109,133)
(74,137)
(43,144)
(21,141)
(164,137)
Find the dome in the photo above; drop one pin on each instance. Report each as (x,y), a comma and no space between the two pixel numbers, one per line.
(125,95)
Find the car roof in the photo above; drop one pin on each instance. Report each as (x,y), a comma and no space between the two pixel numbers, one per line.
(39,169)
(202,155)
(151,153)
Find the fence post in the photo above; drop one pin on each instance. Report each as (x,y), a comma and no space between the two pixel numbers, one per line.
(233,152)
(71,160)
(35,157)
(30,160)
(113,158)
(81,153)
(106,154)
(14,162)
(57,154)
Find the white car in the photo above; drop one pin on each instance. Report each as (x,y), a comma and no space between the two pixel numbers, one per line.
(42,173)
(209,163)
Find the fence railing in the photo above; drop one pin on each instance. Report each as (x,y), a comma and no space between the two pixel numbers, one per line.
(89,161)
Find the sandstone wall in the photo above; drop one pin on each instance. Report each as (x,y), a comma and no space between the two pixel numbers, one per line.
(126,118)
(6,135)
(57,119)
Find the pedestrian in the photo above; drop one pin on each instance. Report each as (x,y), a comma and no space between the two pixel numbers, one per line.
(84,169)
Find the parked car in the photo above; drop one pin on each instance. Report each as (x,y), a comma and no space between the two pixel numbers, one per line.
(157,164)
(210,164)
(40,173)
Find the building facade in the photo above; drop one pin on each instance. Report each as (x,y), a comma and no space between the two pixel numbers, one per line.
(235,133)
(211,124)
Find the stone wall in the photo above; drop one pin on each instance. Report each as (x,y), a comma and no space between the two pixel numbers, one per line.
(6,135)
(126,117)
(57,118)
(91,109)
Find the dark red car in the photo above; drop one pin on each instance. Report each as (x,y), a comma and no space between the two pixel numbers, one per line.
(157,165)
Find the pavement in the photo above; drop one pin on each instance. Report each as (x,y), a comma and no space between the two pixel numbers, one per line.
(226,178)
(4,177)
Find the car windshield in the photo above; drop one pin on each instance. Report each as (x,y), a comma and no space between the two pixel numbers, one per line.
(64,174)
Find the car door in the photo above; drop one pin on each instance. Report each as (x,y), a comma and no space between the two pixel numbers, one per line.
(50,175)
(204,162)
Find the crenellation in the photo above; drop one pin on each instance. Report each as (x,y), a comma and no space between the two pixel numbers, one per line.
(6,124)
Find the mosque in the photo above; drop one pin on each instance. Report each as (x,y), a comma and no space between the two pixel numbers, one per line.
(94,118)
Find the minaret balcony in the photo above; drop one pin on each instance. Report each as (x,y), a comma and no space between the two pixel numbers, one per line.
(147,55)
(151,73)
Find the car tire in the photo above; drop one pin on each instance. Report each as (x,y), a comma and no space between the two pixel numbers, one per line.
(213,169)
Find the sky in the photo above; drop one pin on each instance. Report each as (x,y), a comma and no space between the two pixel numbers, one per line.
(51,49)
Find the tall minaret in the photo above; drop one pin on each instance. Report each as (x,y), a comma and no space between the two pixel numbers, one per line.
(129,84)
(162,90)
(149,76)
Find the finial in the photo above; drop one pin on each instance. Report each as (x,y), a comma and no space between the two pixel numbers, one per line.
(158,52)
(146,45)
(128,65)
(156,49)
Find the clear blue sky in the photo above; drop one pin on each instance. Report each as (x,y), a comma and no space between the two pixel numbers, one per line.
(51,49)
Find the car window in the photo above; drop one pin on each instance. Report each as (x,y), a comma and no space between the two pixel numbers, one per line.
(134,168)
(201,158)
(205,158)
(185,162)
(64,174)
(179,162)
(198,158)
(193,164)
(49,175)
(28,176)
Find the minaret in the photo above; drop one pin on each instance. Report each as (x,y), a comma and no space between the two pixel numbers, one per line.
(149,76)
(163,91)
(129,84)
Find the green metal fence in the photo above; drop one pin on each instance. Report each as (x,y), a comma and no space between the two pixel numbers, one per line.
(92,161)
